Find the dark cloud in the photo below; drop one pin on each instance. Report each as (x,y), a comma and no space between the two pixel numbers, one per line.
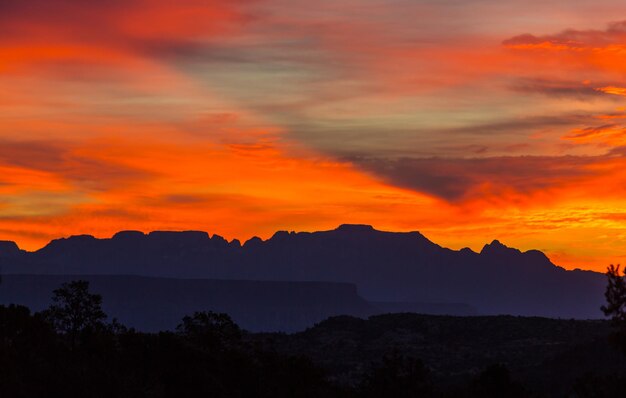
(572,38)
(355,139)
(61,159)
(619,151)
(457,179)
(463,149)
(557,88)
(168,48)
(589,132)
(521,125)
(37,155)
(210,199)
(91,18)
(159,28)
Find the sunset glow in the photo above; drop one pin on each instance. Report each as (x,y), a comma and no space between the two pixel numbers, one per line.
(466,121)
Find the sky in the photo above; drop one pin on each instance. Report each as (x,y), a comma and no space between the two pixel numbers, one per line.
(465,120)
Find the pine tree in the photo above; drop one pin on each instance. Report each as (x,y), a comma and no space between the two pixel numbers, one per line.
(616,305)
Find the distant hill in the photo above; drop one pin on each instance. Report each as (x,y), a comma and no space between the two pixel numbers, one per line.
(385,266)
(155,304)
(457,309)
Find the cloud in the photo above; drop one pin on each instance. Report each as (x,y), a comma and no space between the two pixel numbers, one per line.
(63,161)
(557,88)
(621,91)
(595,56)
(571,39)
(611,115)
(458,179)
(38,33)
(607,134)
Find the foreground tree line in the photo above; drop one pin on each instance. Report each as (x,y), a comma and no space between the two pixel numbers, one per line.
(73,350)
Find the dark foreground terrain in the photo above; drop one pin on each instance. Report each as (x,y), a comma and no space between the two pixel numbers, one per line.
(547,356)
(396,355)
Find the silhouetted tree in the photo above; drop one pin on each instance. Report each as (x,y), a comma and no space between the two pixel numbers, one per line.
(210,329)
(75,310)
(616,305)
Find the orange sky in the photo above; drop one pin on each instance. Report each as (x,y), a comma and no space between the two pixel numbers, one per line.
(467,121)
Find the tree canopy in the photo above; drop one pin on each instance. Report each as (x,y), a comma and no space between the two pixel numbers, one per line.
(75,310)
(616,305)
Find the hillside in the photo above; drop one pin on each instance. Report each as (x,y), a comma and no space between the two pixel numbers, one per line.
(547,355)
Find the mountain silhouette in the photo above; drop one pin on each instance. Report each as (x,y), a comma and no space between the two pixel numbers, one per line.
(9,249)
(387,267)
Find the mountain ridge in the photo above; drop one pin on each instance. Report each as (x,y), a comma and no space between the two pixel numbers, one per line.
(136,234)
(386,266)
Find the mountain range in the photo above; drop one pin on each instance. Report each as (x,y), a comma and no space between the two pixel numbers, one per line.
(389,268)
